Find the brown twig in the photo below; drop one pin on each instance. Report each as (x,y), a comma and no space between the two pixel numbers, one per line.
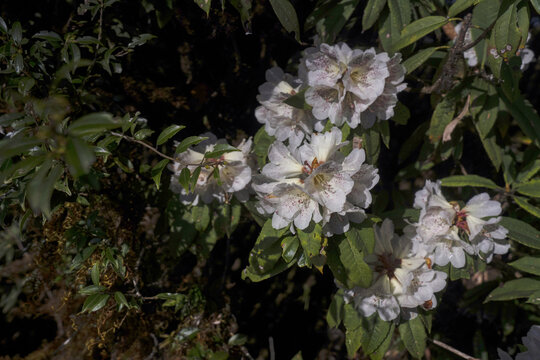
(447,135)
(453,350)
(130,139)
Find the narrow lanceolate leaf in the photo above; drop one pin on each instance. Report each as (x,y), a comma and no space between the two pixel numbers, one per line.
(329,26)
(219,150)
(121,299)
(287,16)
(530,188)
(157,170)
(514,289)
(376,334)
(461,5)
(493,150)
(521,232)
(168,133)
(527,264)
(371,13)
(187,142)
(418,59)
(92,124)
(334,316)
(414,337)
(507,35)
(184,177)
(528,171)
(524,204)
(418,29)
(442,116)
(79,156)
(95,302)
(468,180)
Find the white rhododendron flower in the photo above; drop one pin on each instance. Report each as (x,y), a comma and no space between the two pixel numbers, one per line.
(234,171)
(401,279)
(531,342)
(447,232)
(280,119)
(313,182)
(351,86)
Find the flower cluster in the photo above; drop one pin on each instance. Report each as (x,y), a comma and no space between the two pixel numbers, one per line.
(340,84)
(234,171)
(315,181)
(403,279)
(445,231)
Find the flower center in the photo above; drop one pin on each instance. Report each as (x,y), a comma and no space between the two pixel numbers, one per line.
(461,221)
(308,168)
(387,264)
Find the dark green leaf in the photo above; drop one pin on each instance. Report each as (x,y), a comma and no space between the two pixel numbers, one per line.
(184,177)
(523,203)
(442,116)
(201,217)
(536,5)
(528,171)
(414,337)
(290,245)
(527,264)
(372,12)
(143,133)
(50,36)
(79,156)
(41,187)
(514,289)
(530,188)
(219,150)
(92,124)
(287,16)
(187,142)
(461,5)
(521,232)
(468,180)
(335,313)
(157,170)
(95,302)
(168,133)
(16,32)
(298,100)
(418,59)
(204,5)
(418,29)
(92,289)
(121,300)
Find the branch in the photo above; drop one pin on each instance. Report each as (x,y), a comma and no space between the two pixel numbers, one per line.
(478,39)
(130,139)
(453,350)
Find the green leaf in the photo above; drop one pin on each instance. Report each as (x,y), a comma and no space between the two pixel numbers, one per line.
(523,203)
(184,177)
(521,232)
(262,142)
(536,5)
(92,124)
(514,289)
(506,31)
(353,340)
(201,216)
(376,333)
(461,5)
(531,188)
(488,116)
(287,16)
(469,180)
(95,302)
(311,239)
(16,32)
(187,142)
(414,337)
(526,117)
(143,134)
(92,289)
(418,29)
(204,5)
(95,274)
(418,59)
(372,12)
(346,260)
(15,146)
(50,36)
(219,150)
(194,178)
(41,187)
(330,17)
(335,313)
(400,11)
(401,114)
(237,340)
(298,100)
(371,143)
(157,170)
(528,171)
(442,116)
(267,250)
(290,245)
(121,300)
(527,264)
(493,150)
(79,156)
(168,133)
